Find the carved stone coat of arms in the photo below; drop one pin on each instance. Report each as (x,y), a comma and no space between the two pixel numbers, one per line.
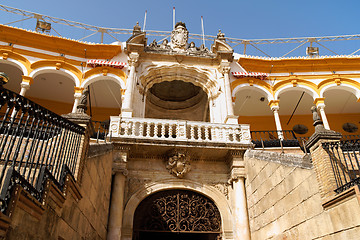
(179,36)
(178,164)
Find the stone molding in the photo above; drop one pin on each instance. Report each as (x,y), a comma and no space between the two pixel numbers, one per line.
(98,149)
(292,160)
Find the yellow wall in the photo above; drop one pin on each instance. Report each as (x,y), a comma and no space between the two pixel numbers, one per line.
(99,114)
(56,107)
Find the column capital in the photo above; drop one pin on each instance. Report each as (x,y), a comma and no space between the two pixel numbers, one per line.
(27,79)
(224,67)
(273,103)
(319,102)
(133,59)
(237,165)
(78,89)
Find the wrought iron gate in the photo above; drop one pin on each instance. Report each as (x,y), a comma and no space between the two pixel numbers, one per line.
(177,211)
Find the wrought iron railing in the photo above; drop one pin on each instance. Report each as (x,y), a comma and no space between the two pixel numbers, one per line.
(344,157)
(179,130)
(266,139)
(100,130)
(35,145)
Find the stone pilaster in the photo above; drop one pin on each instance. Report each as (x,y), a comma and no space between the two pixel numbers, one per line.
(117,197)
(239,203)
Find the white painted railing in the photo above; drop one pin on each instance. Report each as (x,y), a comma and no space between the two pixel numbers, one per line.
(178,130)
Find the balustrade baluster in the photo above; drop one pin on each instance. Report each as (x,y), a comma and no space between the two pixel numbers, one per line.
(148,128)
(126,128)
(156,129)
(170,130)
(199,133)
(141,129)
(163,130)
(192,132)
(228,134)
(207,133)
(133,129)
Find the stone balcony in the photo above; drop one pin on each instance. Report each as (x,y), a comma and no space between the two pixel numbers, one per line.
(179,132)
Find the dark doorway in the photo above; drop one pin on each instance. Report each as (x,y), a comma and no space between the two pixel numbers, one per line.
(176,236)
(177,215)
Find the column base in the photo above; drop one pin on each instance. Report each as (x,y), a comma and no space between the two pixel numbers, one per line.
(231,119)
(127,113)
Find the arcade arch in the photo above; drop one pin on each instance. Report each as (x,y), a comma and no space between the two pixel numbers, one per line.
(341,107)
(294,108)
(53,90)
(105,96)
(15,74)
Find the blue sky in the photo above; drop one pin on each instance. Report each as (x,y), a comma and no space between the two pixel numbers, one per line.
(239,19)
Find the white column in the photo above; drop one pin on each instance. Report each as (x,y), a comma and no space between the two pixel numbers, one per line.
(77,97)
(130,82)
(275,110)
(230,118)
(229,105)
(24,87)
(241,218)
(116,206)
(321,107)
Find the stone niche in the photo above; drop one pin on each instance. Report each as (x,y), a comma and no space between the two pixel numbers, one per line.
(177,100)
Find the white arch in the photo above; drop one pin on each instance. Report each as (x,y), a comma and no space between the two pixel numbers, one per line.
(218,198)
(100,77)
(63,72)
(17,64)
(344,86)
(268,94)
(305,88)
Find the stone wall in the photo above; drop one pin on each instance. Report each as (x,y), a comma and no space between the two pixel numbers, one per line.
(284,201)
(78,212)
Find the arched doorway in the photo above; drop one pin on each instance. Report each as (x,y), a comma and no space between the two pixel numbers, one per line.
(177,214)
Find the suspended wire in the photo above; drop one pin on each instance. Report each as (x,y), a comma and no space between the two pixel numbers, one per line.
(295,108)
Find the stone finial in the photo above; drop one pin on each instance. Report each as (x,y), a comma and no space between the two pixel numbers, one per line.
(320,131)
(221,36)
(137,29)
(82,107)
(318,123)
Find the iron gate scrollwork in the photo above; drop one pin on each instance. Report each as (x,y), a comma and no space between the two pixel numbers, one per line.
(177,211)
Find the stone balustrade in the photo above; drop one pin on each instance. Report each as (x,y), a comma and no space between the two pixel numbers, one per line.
(179,130)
